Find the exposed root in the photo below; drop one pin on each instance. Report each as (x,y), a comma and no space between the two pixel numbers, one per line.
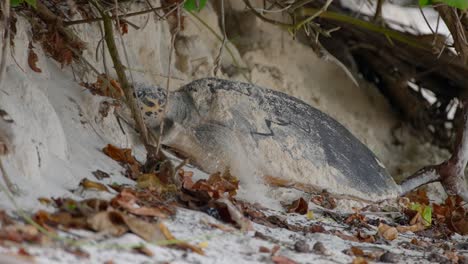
(451,173)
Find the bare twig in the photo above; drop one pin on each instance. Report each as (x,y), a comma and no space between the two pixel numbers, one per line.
(50,18)
(5,4)
(457,29)
(169,71)
(220,52)
(378,11)
(231,53)
(97,19)
(126,87)
(268,20)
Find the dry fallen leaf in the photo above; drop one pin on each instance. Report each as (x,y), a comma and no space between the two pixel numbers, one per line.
(299,206)
(263,249)
(128,201)
(109,222)
(325,200)
(120,155)
(182,244)
(32,61)
(355,251)
(88,184)
(282,260)
(144,250)
(418,196)
(345,237)
(387,232)
(99,174)
(359,260)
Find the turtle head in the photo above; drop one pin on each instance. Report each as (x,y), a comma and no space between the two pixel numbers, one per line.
(151,100)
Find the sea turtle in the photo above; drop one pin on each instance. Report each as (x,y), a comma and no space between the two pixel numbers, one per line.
(255,132)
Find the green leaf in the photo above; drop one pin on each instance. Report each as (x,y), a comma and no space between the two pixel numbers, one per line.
(460,4)
(194,5)
(425,211)
(31,3)
(15,3)
(427,215)
(424,2)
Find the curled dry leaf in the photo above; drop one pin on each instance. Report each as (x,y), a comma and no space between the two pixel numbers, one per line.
(345,237)
(88,184)
(418,196)
(263,249)
(359,260)
(32,61)
(387,232)
(119,154)
(282,260)
(144,250)
(325,200)
(99,174)
(128,201)
(117,223)
(151,181)
(355,251)
(110,222)
(299,206)
(179,244)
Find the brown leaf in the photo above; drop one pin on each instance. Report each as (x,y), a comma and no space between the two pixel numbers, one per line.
(345,237)
(325,200)
(299,206)
(120,155)
(263,249)
(23,252)
(44,201)
(99,174)
(355,251)
(32,61)
(365,237)
(128,201)
(144,250)
(418,196)
(277,182)
(182,244)
(123,27)
(214,187)
(20,233)
(359,260)
(316,229)
(282,260)
(78,252)
(387,232)
(106,86)
(110,222)
(88,184)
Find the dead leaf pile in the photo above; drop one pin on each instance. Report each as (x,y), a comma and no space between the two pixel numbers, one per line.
(105,86)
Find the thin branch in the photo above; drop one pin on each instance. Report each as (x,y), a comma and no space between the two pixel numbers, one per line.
(97,19)
(126,87)
(378,10)
(390,33)
(169,71)
(6,36)
(223,43)
(268,20)
(231,53)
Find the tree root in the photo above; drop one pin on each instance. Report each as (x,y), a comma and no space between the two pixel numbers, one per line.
(451,173)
